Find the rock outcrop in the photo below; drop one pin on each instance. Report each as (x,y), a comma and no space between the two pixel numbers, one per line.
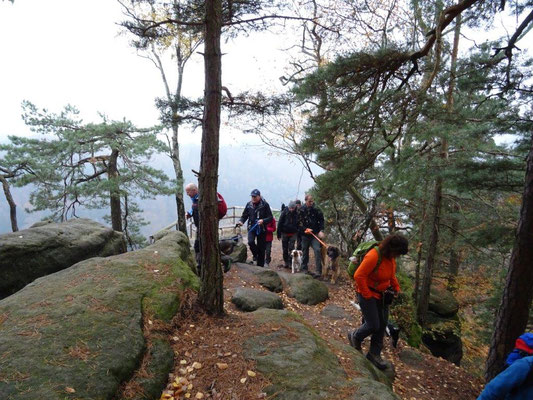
(302,365)
(442,334)
(83,331)
(44,249)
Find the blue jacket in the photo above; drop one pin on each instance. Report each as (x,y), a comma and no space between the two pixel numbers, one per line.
(513,378)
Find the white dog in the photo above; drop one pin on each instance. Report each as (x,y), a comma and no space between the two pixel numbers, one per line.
(296,260)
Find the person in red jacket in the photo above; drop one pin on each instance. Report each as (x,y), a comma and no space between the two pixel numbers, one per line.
(372,282)
(270,229)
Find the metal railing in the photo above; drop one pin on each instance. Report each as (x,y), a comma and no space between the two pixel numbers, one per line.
(226,225)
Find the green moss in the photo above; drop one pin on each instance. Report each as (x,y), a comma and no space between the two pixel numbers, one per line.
(403,311)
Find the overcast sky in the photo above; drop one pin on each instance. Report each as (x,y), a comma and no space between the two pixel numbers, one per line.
(58,52)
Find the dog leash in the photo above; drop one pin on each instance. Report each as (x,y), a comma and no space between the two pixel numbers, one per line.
(308,230)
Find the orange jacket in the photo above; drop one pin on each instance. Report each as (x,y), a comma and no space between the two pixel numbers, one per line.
(384,277)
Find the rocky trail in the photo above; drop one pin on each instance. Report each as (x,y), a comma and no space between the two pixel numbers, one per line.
(210,359)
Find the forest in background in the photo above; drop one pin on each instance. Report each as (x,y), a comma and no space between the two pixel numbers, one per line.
(401,103)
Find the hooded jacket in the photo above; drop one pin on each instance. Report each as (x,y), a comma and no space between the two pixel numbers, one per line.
(254,212)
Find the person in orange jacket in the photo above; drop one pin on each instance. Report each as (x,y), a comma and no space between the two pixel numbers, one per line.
(376,283)
(270,229)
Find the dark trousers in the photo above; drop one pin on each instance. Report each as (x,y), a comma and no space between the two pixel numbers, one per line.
(309,241)
(376,316)
(287,244)
(298,241)
(268,252)
(197,256)
(257,245)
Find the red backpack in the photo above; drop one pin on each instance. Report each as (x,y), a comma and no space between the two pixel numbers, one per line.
(222,206)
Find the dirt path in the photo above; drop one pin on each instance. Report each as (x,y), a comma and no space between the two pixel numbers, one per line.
(217,340)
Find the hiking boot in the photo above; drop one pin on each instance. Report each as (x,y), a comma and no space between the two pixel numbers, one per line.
(376,360)
(354,342)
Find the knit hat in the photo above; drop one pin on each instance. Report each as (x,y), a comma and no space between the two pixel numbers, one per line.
(292,204)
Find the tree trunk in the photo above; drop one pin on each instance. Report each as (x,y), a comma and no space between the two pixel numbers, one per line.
(114,192)
(455,259)
(512,316)
(417,273)
(359,201)
(175,155)
(423,301)
(211,292)
(12,205)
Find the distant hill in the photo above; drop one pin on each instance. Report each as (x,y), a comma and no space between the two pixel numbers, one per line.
(241,169)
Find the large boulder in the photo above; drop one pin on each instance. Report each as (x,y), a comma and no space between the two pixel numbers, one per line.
(301,365)
(31,253)
(442,336)
(265,277)
(252,299)
(304,288)
(442,301)
(239,253)
(83,331)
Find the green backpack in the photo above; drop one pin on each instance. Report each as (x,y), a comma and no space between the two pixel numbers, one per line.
(360,253)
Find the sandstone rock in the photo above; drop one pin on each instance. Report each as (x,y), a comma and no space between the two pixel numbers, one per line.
(31,253)
(82,327)
(239,253)
(252,299)
(265,277)
(300,364)
(334,312)
(443,337)
(304,288)
(442,301)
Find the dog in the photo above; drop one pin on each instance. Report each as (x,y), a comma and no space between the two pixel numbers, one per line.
(296,256)
(331,264)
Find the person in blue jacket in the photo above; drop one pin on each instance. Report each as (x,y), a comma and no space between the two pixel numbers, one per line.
(513,383)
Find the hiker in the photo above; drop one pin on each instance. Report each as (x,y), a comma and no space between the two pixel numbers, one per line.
(288,231)
(515,382)
(270,229)
(376,283)
(258,213)
(192,191)
(311,220)
(298,234)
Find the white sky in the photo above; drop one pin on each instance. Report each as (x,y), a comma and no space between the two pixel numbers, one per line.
(58,52)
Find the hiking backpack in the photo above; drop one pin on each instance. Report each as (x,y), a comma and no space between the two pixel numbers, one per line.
(360,253)
(222,206)
(523,348)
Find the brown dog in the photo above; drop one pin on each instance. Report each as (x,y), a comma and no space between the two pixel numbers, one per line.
(331,264)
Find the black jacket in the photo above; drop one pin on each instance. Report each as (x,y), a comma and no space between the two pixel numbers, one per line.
(288,222)
(311,217)
(253,213)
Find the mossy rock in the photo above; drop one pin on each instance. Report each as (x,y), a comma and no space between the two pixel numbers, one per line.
(247,299)
(305,289)
(82,328)
(42,250)
(300,364)
(442,302)
(239,253)
(443,337)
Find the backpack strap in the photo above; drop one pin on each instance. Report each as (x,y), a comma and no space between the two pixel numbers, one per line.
(379,261)
(376,269)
